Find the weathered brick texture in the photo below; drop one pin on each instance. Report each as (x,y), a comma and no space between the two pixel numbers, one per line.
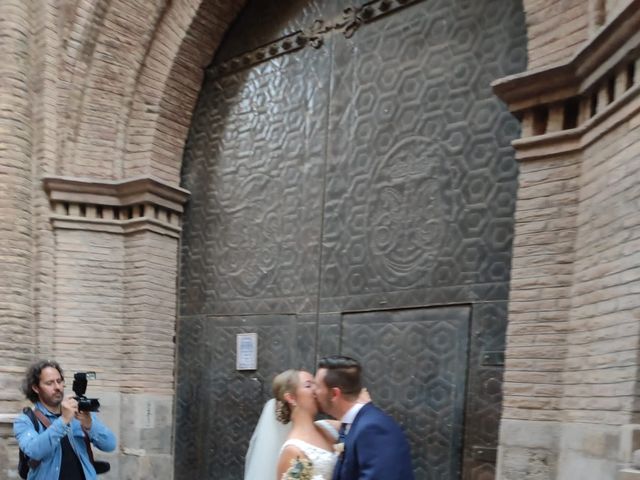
(558,28)
(149,280)
(89,303)
(16,186)
(169,84)
(555,29)
(601,365)
(132,74)
(98,90)
(573,340)
(104,90)
(573,330)
(541,281)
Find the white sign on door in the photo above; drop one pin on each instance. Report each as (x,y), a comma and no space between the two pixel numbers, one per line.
(247,351)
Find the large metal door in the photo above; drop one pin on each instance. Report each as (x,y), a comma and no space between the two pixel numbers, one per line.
(416,366)
(353,189)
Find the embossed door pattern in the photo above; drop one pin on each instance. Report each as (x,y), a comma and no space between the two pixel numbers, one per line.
(416,365)
(356,164)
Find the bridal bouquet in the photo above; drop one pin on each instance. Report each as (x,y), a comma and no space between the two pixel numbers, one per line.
(300,469)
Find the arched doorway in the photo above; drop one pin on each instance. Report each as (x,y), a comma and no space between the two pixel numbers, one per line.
(353,189)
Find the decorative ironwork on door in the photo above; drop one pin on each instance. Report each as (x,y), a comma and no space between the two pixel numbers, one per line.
(350,165)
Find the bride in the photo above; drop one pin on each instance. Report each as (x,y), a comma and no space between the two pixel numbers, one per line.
(286,438)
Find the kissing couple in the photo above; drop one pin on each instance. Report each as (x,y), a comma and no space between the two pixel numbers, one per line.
(362,443)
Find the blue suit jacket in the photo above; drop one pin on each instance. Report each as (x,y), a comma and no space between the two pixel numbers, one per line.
(375,449)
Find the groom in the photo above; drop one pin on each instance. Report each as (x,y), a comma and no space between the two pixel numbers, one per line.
(373,444)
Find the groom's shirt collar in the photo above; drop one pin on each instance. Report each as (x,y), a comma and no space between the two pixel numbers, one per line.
(351,414)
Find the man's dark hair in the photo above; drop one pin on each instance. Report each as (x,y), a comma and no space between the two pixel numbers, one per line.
(32,377)
(344,373)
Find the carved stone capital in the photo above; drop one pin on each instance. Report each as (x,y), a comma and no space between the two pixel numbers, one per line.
(567,107)
(116,206)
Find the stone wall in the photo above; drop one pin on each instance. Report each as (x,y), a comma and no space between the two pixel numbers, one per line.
(572,371)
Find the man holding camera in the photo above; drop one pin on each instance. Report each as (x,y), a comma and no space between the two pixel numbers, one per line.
(59,447)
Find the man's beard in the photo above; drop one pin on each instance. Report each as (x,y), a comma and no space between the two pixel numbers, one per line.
(55,400)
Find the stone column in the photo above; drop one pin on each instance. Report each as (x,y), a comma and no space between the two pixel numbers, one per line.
(572,369)
(16,149)
(116,270)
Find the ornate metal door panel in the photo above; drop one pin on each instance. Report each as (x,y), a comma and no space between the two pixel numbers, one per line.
(254,162)
(415,367)
(351,165)
(421,178)
(218,406)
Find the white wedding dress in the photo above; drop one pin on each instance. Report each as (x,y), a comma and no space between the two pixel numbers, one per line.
(268,440)
(323,461)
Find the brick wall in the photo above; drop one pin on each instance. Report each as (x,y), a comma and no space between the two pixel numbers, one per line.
(601,368)
(573,337)
(88,327)
(99,90)
(16,186)
(169,84)
(541,280)
(149,313)
(572,352)
(130,76)
(556,28)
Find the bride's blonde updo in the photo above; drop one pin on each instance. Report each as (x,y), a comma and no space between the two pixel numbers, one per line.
(285,382)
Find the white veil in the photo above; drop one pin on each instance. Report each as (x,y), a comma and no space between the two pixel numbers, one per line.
(268,437)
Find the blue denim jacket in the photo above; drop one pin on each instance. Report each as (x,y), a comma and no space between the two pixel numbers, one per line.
(45,446)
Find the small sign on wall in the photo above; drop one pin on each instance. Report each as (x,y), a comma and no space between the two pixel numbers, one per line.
(247,351)
(149,418)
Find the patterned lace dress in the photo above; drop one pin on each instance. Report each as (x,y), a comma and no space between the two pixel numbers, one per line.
(323,461)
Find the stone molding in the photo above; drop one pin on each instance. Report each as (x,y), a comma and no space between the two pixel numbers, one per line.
(628,474)
(7,418)
(629,452)
(121,206)
(567,107)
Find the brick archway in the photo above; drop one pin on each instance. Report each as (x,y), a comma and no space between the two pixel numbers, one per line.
(104,90)
(129,76)
(135,76)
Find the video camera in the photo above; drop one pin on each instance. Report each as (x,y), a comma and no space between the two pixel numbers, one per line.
(80,387)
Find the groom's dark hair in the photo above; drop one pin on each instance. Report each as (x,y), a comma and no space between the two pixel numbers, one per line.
(344,373)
